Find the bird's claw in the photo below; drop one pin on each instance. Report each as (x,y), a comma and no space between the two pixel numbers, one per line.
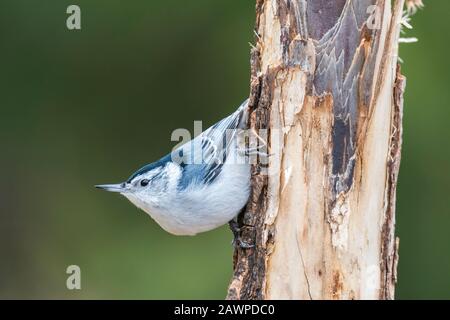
(237,240)
(239,243)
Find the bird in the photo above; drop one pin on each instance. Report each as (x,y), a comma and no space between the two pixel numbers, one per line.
(199,186)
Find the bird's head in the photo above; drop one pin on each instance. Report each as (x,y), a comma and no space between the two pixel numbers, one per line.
(148,186)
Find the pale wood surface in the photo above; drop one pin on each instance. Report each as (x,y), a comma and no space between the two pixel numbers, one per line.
(326,85)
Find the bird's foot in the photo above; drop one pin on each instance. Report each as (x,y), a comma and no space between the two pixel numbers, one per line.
(248,152)
(239,243)
(237,240)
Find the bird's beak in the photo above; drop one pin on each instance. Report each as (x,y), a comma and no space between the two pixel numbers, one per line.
(120,187)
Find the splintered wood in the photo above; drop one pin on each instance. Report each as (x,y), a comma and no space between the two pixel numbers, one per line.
(325,85)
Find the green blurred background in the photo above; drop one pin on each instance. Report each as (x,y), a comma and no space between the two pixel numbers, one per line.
(85,107)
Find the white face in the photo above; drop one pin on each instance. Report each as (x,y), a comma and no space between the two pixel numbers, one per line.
(149,190)
(145,190)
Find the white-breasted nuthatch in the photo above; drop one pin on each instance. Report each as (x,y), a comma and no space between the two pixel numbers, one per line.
(199,186)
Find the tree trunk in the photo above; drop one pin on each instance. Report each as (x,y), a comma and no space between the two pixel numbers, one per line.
(326,87)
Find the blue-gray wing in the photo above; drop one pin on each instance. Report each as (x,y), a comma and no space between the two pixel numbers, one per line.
(204,156)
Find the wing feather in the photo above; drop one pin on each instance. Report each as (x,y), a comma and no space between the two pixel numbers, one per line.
(205,155)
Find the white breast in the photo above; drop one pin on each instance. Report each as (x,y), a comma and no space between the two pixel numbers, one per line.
(197,210)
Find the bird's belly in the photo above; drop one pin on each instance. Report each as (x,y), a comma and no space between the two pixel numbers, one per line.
(198,211)
(194,225)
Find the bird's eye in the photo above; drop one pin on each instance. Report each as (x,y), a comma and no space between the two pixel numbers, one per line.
(144,182)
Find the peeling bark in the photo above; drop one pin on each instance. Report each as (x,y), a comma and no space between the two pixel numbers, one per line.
(325,85)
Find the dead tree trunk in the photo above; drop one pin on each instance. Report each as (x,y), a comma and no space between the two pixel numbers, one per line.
(326,86)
